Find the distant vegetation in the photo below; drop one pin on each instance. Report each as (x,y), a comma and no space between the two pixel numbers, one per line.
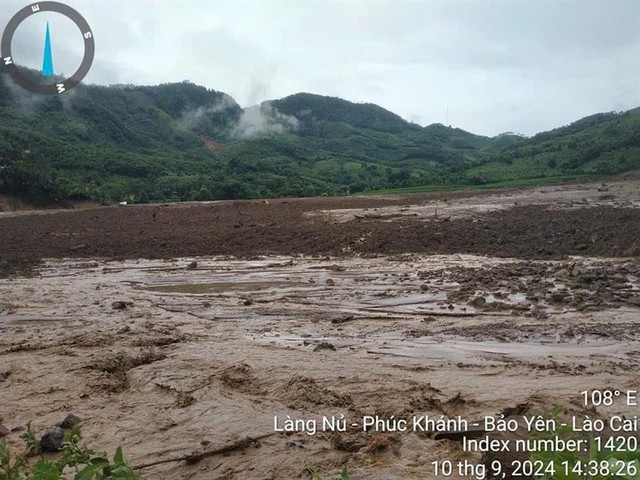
(602,144)
(181,141)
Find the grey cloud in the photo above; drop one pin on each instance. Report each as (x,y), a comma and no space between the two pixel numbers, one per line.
(497,65)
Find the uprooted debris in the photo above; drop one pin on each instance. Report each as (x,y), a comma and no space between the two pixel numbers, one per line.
(195,457)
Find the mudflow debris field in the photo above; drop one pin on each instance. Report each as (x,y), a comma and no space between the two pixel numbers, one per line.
(185,329)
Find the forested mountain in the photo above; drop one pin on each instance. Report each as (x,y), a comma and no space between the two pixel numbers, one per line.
(604,143)
(181,141)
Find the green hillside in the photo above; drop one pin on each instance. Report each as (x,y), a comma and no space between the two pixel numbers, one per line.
(601,144)
(181,141)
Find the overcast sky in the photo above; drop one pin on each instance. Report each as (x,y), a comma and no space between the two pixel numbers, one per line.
(497,66)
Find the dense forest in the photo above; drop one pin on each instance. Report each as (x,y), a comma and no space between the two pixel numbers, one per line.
(181,141)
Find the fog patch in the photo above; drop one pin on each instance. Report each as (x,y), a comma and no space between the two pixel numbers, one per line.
(27,103)
(192,117)
(264,119)
(21,98)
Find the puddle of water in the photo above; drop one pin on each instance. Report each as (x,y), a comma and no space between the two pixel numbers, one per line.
(508,298)
(455,349)
(404,300)
(222,287)
(23,319)
(460,350)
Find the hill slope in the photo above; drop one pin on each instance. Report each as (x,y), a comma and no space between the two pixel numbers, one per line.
(181,141)
(605,143)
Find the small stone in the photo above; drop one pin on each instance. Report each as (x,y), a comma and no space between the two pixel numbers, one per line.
(330,282)
(247,302)
(424,287)
(70,421)
(52,440)
(342,318)
(479,301)
(119,305)
(578,271)
(324,346)
(192,266)
(459,435)
(4,431)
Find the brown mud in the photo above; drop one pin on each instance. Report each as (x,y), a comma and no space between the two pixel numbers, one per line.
(548,222)
(190,354)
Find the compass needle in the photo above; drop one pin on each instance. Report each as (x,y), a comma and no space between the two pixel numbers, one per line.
(47,63)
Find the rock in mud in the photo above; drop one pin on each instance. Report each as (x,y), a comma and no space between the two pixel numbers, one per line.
(192,266)
(52,440)
(342,318)
(4,431)
(519,409)
(324,346)
(634,301)
(70,421)
(478,302)
(330,282)
(119,305)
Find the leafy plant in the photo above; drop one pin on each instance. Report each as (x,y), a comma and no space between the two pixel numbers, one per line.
(571,465)
(87,463)
(344,475)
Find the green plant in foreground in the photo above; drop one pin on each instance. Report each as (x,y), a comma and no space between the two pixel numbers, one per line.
(605,463)
(87,463)
(344,475)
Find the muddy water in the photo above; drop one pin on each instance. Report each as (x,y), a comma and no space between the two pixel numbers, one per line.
(208,355)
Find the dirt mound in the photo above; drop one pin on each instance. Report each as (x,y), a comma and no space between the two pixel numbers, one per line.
(301,392)
(115,365)
(242,378)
